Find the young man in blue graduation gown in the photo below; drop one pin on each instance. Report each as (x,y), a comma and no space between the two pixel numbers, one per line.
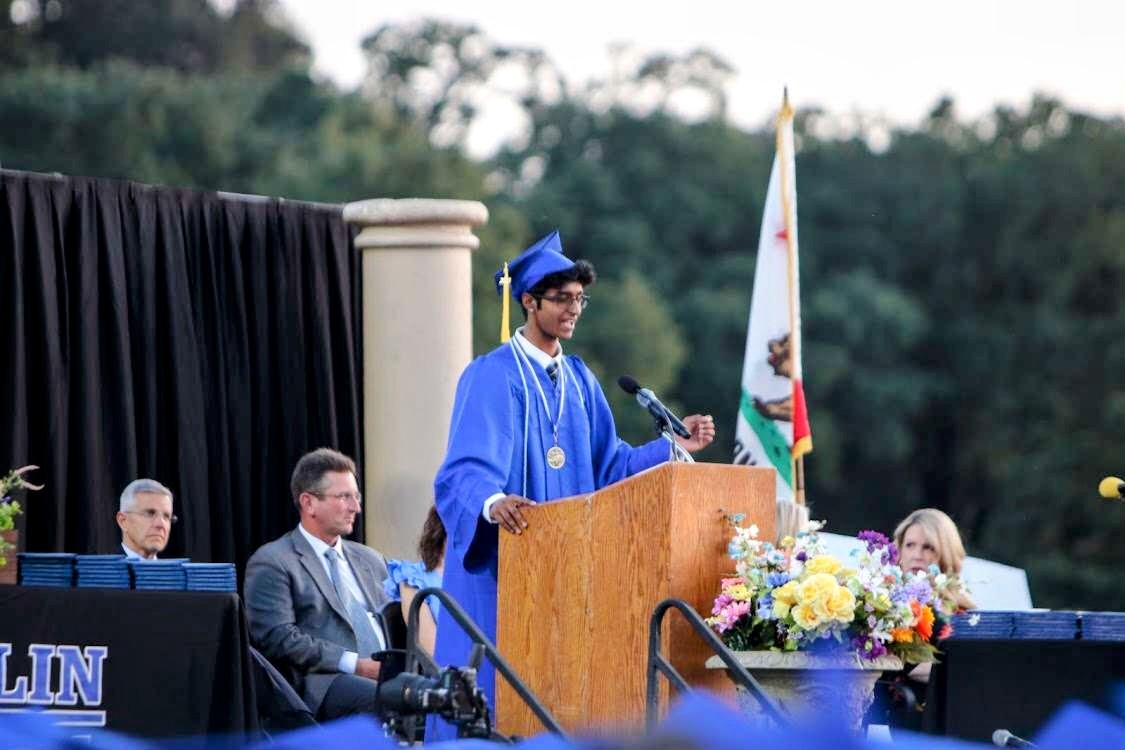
(529,425)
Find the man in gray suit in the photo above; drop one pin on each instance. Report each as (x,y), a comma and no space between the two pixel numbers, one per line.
(314,599)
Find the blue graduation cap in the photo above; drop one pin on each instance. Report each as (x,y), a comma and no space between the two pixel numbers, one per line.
(542,259)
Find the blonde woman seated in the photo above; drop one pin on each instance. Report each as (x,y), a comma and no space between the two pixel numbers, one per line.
(407,578)
(927,537)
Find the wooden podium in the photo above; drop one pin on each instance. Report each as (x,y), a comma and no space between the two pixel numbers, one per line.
(577,589)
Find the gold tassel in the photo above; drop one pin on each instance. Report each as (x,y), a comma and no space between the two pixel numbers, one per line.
(505,287)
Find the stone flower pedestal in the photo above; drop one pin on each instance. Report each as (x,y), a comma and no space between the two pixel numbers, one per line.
(806,684)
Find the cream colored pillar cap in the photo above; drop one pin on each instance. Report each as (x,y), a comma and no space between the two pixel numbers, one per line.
(424,222)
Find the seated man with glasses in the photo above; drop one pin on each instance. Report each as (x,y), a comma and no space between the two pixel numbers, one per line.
(529,425)
(314,599)
(145,518)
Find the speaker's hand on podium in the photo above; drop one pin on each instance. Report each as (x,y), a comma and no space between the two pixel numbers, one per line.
(506,512)
(702,429)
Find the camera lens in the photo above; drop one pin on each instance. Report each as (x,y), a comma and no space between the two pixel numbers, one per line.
(407,694)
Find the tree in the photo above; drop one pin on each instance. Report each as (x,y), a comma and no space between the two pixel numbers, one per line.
(438,75)
(190,36)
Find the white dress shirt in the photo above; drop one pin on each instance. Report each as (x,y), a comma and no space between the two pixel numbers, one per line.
(131,553)
(347,577)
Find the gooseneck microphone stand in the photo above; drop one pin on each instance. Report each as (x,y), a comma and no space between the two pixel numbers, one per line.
(676,452)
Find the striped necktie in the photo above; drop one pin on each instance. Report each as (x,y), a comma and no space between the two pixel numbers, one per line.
(367,640)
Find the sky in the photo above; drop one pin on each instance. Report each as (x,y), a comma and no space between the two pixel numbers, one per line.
(879,58)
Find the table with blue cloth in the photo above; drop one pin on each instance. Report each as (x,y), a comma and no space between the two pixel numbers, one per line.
(148,663)
(1015,684)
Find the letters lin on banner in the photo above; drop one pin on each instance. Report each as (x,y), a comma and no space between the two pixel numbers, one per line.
(74,696)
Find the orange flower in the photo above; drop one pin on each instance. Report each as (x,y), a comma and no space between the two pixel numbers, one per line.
(923,620)
(902,635)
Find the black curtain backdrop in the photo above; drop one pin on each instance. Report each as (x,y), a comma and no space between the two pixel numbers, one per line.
(204,341)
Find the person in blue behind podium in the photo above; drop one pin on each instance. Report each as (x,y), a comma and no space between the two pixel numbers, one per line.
(529,425)
(314,599)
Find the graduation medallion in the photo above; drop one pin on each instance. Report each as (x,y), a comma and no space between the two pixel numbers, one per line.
(556,457)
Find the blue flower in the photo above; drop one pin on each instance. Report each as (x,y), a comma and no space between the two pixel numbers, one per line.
(918,589)
(765,607)
(774,580)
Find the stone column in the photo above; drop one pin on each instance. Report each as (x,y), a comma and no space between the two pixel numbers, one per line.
(417,338)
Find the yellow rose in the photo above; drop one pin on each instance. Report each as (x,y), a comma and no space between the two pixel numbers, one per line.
(823,564)
(815,587)
(820,604)
(841,605)
(805,617)
(814,592)
(786,594)
(784,597)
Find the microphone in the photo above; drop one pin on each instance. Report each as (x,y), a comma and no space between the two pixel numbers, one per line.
(648,400)
(1111,488)
(1004,738)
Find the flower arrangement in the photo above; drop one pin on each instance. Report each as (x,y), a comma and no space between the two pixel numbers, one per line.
(11,483)
(795,596)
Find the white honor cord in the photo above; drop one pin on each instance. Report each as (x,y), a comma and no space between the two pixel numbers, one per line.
(546,406)
(570,375)
(526,411)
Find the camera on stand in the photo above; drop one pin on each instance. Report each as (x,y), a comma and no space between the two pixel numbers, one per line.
(452,694)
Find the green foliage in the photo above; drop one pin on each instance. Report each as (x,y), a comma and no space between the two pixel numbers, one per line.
(629,329)
(279,134)
(121,121)
(436,74)
(8,512)
(190,36)
(12,484)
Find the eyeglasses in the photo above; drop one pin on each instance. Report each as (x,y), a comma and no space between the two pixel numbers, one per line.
(152,516)
(566,300)
(345,496)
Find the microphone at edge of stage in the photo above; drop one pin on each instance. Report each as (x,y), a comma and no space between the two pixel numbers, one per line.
(1004,738)
(1111,488)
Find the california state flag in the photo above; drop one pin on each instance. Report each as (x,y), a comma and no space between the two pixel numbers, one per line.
(773,423)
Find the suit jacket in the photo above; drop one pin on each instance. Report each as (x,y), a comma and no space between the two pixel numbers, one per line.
(296,617)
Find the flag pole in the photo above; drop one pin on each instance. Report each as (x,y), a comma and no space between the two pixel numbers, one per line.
(794,333)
